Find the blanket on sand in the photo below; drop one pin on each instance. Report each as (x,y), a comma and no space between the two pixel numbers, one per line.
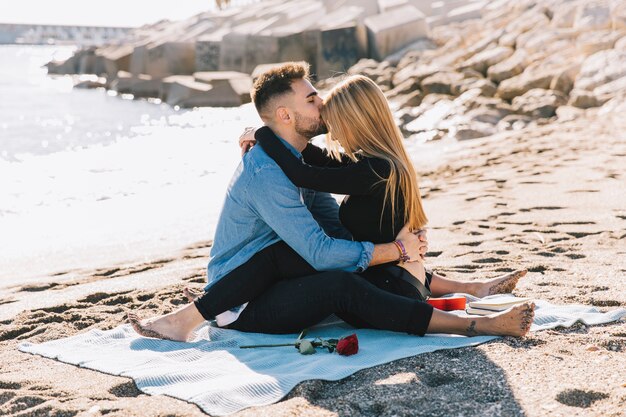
(212,371)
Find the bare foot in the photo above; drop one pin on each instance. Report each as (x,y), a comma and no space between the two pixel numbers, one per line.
(157,327)
(500,285)
(191,294)
(515,321)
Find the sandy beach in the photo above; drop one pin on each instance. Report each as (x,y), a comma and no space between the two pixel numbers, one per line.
(551,199)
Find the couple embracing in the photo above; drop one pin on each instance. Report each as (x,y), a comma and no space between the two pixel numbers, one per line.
(286,255)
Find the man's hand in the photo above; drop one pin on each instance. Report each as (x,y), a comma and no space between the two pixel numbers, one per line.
(247,140)
(416,245)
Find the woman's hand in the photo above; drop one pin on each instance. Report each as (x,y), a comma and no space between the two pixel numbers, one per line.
(415,244)
(247,140)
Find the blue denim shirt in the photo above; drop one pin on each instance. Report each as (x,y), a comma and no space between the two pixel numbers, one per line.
(262,207)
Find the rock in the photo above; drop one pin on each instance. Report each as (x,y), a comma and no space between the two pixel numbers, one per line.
(593,15)
(520,84)
(411,99)
(410,53)
(415,71)
(564,82)
(408,86)
(547,40)
(486,87)
(364,66)
(620,45)
(392,31)
(514,122)
(564,15)
(68,66)
(430,118)
(472,131)
(539,103)
(508,68)
(592,42)
(610,89)
(124,81)
(601,68)
(583,99)
(441,82)
(485,59)
(566,113)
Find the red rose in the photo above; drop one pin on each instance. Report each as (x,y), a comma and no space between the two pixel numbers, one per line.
(348,345)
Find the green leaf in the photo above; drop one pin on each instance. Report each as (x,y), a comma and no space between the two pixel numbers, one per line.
(306,348)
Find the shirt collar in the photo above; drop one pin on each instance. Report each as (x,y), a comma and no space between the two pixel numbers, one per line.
(291,148)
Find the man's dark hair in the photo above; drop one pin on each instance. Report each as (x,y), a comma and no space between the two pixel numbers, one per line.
(277,81)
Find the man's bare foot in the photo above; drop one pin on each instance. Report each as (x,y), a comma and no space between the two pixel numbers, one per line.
(515,321)
(160,327)
(191,294)
(500,285)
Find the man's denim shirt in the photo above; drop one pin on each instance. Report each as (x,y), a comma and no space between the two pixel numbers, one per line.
(263,206)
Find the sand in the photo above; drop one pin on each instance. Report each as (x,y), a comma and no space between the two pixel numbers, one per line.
(550,198)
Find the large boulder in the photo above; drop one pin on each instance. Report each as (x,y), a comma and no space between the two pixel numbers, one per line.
(539,103)
(486,87)
(510,67)
(601,68)
(593,15)
(589,43)
(441,82)
(485,59)
(583,99)
(392,31)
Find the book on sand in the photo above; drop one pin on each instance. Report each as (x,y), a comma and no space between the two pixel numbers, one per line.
(494,304)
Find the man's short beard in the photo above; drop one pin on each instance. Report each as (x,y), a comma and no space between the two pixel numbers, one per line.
(309,127)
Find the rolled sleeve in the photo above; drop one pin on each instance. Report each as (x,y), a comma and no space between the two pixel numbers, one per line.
(284,211)
(366,257)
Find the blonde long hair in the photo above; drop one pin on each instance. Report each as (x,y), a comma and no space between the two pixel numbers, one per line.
(359,118)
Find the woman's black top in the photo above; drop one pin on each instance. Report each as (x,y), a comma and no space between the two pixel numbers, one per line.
(363,182)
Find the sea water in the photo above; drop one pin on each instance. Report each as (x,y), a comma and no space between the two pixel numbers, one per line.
(89,179)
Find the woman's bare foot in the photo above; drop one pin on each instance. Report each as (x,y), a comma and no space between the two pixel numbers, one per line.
(161,327)
(191,294)
(515,321)
(500,285)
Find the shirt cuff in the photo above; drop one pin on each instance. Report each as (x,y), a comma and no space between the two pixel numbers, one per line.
(366,256)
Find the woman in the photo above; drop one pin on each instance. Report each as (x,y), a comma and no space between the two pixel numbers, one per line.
(376,173)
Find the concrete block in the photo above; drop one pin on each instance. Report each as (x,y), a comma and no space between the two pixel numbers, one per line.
(389,32)
(225,90)
(234,44)
(167,82)
(466,12)
(339,49)
(127,83)
(369,7)
(208,50)
(115,58)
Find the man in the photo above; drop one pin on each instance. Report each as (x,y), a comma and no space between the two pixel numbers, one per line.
(267,225)
(263,207)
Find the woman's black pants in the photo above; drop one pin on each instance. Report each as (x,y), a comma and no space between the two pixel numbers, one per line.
(286,295)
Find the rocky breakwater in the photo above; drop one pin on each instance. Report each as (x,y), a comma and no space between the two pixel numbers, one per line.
(520,64)
(164,60)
